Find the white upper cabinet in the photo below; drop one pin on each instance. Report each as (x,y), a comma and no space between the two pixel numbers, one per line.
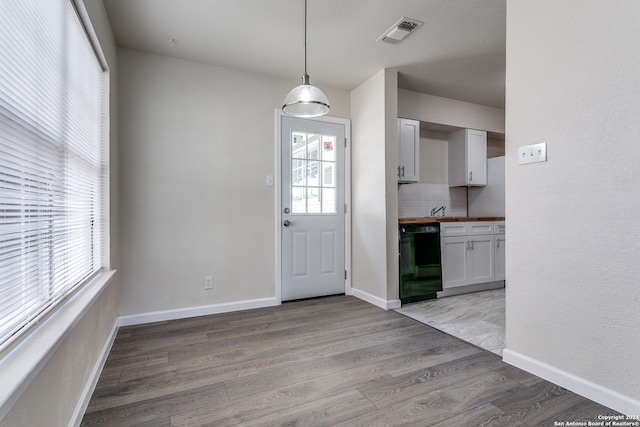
(408,150)
(467,158)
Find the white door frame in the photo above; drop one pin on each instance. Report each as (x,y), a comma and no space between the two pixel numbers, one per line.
(347,199)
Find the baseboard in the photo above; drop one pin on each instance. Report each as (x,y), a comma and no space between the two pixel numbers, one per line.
(602,395)
(181,313)
(90,385)
(372,299)
(460,290)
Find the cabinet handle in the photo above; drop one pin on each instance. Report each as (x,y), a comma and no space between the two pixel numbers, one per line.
(497,243)
(398,171)
(471,176)
(403,171)
(472,245)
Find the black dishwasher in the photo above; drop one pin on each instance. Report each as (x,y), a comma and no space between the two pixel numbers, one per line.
(420,266)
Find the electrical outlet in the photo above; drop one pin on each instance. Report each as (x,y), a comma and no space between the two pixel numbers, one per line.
(208,282)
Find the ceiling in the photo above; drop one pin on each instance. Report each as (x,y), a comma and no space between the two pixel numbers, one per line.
(458,53)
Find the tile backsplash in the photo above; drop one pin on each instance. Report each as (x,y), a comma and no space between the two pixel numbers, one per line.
(417,200)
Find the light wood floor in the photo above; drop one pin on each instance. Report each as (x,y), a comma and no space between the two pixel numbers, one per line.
(333,361)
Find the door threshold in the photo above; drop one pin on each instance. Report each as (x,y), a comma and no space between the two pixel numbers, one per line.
(312,298)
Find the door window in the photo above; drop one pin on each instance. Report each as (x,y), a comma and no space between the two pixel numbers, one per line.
(313,174)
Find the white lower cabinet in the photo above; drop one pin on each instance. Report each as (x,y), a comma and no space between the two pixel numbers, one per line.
(467,260)
(500,245)
(455,268)
(469,257)
(481,256)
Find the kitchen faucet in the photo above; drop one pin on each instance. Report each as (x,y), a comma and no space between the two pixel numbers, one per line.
(434,211)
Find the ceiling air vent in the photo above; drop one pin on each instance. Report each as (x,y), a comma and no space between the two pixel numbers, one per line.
(400,30)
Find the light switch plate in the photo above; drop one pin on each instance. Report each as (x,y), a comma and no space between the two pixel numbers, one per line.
(532,153)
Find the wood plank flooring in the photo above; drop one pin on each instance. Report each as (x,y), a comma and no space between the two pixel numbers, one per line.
(334,361)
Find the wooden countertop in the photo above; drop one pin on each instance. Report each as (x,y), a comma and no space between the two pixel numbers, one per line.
(448,219)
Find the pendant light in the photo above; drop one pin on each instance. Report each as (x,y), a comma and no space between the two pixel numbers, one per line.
(305,100)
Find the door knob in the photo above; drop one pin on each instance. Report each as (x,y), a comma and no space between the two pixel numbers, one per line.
(286,223)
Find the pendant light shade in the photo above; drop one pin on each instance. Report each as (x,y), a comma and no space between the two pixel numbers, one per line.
(305,100)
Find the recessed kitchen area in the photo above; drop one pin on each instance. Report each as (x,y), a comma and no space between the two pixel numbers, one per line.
(451,227)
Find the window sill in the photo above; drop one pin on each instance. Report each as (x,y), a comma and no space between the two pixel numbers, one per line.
(22,363)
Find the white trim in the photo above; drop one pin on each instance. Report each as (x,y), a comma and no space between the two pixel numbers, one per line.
(347,198)
(205,310)
(94,376)
(278,204)
(378,302)
(22,363)
(459,290)
(90,32)
(602,395)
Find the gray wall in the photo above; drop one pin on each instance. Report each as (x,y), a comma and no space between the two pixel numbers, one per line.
(572,259)
(197,142)
(374,188)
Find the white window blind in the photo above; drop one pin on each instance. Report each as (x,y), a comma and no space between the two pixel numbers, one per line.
(53,160)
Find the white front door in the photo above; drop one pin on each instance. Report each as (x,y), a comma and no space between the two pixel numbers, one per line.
(313,212)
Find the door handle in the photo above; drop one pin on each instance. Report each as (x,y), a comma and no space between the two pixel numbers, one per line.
(286,223)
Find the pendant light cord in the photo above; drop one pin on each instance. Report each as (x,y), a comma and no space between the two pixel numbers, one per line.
(305,100)
(305,37)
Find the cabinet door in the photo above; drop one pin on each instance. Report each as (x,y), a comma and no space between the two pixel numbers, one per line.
(467,158)
(481,259)
(476,157)
(455,268)
(408,150)
(500,257)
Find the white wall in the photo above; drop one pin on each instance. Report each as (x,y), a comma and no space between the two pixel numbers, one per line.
(489,200)
(391,188)
(197,142)
(434,154)
(374,148)
(495,147)
(451,112)
(572,295)
(368,215)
